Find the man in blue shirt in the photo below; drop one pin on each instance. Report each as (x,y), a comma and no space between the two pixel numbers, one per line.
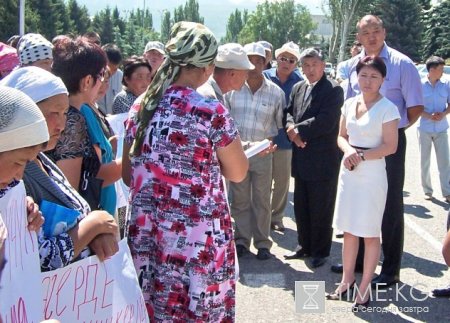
(433,127)
(285,75)
(401,86)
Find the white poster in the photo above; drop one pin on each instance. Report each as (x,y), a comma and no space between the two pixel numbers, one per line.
(94,291)
(117,124)
(20,297)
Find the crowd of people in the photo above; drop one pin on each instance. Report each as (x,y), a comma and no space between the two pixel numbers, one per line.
(192,110)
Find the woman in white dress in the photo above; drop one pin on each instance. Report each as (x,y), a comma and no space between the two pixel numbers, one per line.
(368,133)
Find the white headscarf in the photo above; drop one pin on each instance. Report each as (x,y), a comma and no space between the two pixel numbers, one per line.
(22,123)
(35,82)
(34,47)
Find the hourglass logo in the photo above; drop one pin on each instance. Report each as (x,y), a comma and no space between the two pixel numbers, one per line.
(310,297)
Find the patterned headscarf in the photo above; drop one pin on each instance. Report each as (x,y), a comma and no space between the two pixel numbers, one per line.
(190,44)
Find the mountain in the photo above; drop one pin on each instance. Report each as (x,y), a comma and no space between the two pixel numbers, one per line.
(215,12)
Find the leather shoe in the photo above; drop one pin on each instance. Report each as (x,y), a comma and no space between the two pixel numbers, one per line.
(317,261)
(298,253)
(263,254)
(384,281)
(241,250)
(339,268)
(278,227)
(441,292)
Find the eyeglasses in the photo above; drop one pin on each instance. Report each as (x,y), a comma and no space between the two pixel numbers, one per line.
(101,75)
(290,60)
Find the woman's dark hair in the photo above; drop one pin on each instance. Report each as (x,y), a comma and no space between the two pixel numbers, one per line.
(131,64)
(74,59)
(374,62)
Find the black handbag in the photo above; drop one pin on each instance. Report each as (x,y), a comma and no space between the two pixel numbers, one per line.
(90,187)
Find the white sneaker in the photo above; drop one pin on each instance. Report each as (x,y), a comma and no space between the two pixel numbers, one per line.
(428,196)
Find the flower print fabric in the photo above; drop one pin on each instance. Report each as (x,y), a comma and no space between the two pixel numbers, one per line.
(179,226)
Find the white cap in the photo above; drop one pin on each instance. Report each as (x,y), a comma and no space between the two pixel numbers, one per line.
(156,45)
(22,123)
(233,56)
(267,46)
(35,82)
(291,48)
(255,49)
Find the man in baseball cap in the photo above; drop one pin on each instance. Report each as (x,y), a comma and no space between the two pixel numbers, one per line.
(285,75)
(257,109)
(269,49)
(230,73)
(154,54)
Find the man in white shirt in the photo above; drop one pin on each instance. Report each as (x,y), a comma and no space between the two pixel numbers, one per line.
(115,80)
(257,109)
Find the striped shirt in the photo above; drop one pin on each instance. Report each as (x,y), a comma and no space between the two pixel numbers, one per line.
(258,115)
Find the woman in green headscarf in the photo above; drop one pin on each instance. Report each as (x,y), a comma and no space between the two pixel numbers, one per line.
(179,224)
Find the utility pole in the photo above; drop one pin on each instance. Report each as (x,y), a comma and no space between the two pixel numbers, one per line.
(22,18)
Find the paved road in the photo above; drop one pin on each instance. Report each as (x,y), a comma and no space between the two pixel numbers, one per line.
(265,292)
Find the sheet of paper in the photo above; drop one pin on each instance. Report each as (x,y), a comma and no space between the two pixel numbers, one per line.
(257,148)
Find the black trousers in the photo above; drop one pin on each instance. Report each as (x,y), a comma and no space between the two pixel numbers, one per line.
(392,228)
(314,208)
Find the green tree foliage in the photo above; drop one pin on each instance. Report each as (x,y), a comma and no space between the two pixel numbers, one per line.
(118,22)
(278,23)
(79,17)
(436,36)
(344,16)
(103,24)
(50,17)
(235,23)
(192,12)
(166,24)
(8,19)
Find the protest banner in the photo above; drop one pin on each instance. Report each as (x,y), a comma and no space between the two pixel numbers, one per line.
(93,291)
(20,296)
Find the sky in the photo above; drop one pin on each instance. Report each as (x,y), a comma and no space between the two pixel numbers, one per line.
(215,12)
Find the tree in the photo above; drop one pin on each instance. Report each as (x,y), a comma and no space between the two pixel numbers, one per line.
(166,24)
(343,14)
(52,17)
(234,26)
(435,37)
(278,23)
(79,17)
(8,16)
(192,13)
(103,24)
(118,22)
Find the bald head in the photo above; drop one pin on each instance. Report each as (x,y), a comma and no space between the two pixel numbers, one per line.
(371,34)
(369,20)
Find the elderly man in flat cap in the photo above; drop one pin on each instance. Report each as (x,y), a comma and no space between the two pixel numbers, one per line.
(230,73)
(257,109)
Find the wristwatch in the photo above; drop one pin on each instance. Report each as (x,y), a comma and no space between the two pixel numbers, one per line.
(361,154)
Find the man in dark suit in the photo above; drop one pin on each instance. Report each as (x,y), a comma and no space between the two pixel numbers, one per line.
(316,104)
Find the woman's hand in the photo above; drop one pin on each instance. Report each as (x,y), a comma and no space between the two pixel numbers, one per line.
(351,159)
(104,246)
(34,216)
(103,222)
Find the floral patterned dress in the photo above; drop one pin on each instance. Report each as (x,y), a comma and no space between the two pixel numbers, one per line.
(179,225)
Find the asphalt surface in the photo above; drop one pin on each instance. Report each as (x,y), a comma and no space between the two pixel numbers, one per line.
(266,289)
